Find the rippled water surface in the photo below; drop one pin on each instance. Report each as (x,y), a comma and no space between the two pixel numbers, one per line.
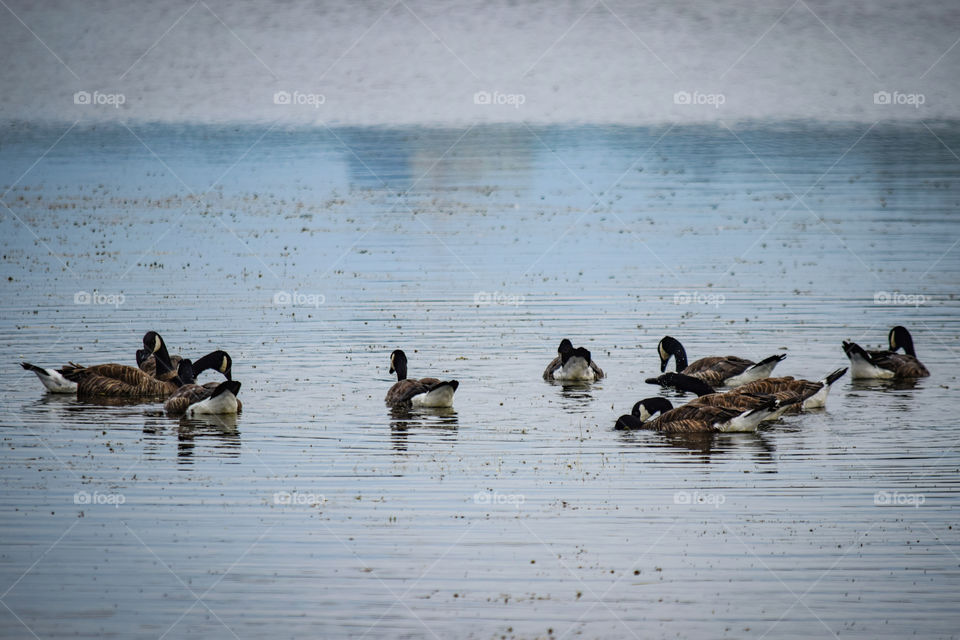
(317,512)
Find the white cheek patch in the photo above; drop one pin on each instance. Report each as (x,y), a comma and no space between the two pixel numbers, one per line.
(157,343)
(663,353)
(644,414)
(223,365)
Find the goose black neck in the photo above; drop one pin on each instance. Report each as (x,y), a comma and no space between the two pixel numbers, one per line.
(680,357)
(906,342)
(163,359)
(670,346)
(398,364)
(656,405)
(212,360)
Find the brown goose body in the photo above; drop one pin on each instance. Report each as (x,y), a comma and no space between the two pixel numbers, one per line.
(742,401)
(717,371)
(404,390)
(902,365)
(118,381)
(786,389)
(660,415)
(714,370)
(121,381)
(178,403)
(691,418)
(887,364)
(788,392)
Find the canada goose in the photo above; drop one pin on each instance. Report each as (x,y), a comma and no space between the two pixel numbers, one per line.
(191,392)
(425,392)
(572,364)
(717,371)
(886,364)
(119,381)
(692,417)
(56,381)
(789,392)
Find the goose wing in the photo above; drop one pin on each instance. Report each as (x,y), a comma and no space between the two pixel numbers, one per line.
(597,371)
(551,368)
(184,397)
(116,380)
(692,417)
(787,390)
(736,399)
(902,365)
(401,392)
(715,369)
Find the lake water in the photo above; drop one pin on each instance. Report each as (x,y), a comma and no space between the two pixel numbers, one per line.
(318,512)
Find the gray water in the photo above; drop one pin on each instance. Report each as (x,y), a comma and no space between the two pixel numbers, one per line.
(317,512)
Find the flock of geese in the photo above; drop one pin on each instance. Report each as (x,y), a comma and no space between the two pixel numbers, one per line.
(753,396)
(157,376)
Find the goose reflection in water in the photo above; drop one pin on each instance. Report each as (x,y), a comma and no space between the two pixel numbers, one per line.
(879,384)
(403,420)
(219,430)
(706,445)
(574,395)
